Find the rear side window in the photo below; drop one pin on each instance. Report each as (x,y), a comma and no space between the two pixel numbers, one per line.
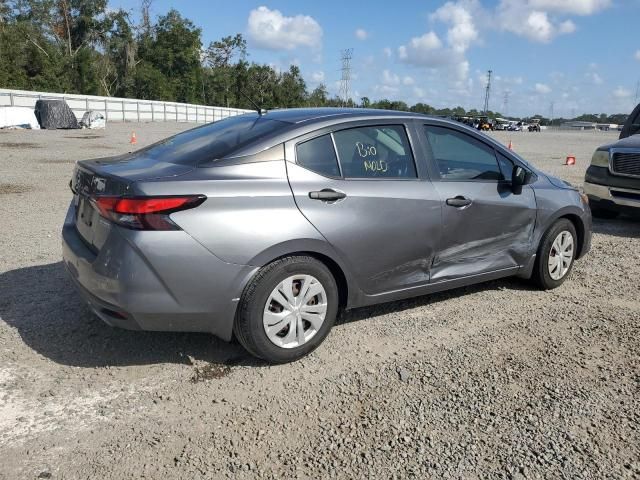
(212,141)
(375,152)
(460,157)
(318,155)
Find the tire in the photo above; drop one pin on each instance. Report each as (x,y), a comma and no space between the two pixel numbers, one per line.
(604,213)
(542,275)
(254,314)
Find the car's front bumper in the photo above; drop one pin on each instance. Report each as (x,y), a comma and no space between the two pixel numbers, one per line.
(155,280)
(611,190)
(621,197)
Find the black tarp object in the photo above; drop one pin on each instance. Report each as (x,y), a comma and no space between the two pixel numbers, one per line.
(52,114)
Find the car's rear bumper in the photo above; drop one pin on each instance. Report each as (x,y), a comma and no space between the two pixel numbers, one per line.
(610,190)
(155,280)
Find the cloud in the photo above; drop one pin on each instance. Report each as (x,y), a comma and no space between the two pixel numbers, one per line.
(270,29)
(408,80)
(462,31)
(361,34)
(567,27)
(418,92)
(387,52)
(390,78)
(428,50)
(571,7)
(595,78)
(621,92)
(318,77)
(542,88)
(532,19)
(422,50)
(637,55)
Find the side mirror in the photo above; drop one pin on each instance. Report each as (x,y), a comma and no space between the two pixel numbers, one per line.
(519,177)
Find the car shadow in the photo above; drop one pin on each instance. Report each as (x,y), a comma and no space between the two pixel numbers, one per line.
(42,304)
(626,225)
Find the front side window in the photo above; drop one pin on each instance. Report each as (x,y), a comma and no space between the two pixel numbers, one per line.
(460,157)
(318,155)
(375,152)
(506,166)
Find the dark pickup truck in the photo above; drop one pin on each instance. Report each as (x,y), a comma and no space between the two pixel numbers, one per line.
(612,181)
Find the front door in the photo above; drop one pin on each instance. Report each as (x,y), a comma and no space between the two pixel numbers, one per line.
(486,227)
(360,188)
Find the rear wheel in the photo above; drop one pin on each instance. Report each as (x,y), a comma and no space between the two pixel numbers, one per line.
(287,309)
(556,254)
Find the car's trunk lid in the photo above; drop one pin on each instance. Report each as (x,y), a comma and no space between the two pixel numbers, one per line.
(113,176)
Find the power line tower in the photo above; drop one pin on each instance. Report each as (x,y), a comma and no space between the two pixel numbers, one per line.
(487,92)
(505,103)
(345,80)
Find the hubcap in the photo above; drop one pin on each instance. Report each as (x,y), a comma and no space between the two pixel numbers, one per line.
(561,255)
(295,311)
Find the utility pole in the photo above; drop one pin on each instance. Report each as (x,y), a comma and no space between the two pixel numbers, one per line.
(345,80)
(487,92)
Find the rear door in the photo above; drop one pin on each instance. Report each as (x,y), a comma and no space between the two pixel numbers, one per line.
(361,188)
(486,227)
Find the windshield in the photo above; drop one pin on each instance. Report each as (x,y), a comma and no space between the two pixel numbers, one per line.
(212,141)
(632,125)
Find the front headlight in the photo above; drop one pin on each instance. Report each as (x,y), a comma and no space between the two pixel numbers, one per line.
(600,158)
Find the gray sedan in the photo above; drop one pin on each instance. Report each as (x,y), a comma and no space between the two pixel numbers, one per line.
(264,226)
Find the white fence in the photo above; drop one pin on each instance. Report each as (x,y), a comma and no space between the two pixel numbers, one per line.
(123,109)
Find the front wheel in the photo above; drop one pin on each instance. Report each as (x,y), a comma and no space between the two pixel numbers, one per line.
(287,309)
(556,254)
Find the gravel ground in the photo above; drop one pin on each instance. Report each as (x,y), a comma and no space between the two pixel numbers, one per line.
(498,380)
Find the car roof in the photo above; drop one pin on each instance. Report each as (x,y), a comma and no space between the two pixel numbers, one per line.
(312,115)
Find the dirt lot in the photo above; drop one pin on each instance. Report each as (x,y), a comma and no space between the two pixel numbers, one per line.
(493,381)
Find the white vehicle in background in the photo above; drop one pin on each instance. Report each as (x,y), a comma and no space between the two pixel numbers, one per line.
(502,123)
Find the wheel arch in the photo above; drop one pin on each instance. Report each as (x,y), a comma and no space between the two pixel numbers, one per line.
(576,216)
(322,252)
(578,224)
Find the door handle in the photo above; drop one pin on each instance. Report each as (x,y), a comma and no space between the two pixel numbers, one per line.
(327,195)
(459,201)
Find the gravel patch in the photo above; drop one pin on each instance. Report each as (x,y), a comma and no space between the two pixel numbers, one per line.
(498,380)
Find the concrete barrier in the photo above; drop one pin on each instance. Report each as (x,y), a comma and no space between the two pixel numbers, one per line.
(124,109)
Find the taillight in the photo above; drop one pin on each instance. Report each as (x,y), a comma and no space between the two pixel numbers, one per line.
(145,213)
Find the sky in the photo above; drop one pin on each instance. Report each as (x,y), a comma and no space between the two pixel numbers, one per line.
(565,57)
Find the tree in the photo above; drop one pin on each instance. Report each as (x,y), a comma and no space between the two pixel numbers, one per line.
(221,53)
(318,97)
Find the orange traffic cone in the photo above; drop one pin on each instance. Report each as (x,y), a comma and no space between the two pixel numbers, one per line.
(571,159)
(133,140)
(510,146)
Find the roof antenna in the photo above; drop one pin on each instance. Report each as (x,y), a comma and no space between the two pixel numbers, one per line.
(261,111)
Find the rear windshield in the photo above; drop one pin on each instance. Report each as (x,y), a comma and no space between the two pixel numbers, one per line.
(212,141)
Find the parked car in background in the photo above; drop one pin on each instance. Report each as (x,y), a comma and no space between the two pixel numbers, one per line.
(267,225)
(612,181)
(534,126)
